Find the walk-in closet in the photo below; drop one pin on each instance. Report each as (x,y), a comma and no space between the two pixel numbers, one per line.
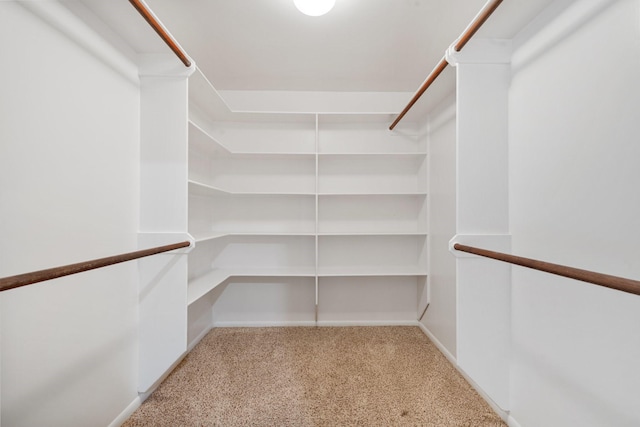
(410,212)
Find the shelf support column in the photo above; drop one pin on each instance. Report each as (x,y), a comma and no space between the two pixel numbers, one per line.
(483,288)
(163,215)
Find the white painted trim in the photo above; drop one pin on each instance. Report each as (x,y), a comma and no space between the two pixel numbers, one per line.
(321,323)
(144,395)
(511,422)
(197,339)
(266,324)
(80,33)
(128,411)
(504,414)
(450,357)
(339,323)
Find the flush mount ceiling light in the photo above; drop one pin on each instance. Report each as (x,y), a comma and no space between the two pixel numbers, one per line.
(314,7)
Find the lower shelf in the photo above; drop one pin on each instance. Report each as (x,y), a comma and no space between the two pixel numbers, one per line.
(370,271)
(200,286)
(288,301)
(344,300)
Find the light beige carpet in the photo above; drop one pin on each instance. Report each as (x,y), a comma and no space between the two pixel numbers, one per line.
(352,376)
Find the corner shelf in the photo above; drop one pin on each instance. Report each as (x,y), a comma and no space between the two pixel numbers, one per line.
(200,189)
(200,286)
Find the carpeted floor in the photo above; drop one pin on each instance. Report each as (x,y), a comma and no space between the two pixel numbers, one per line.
(351,376)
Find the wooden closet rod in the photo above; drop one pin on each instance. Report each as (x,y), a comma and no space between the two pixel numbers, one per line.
(146,13)
(475,25)
(13,282)
(612,282)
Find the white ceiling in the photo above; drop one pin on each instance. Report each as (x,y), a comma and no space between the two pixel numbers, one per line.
(361,45)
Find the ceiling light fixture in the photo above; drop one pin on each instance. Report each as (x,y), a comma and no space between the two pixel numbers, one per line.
(314,7)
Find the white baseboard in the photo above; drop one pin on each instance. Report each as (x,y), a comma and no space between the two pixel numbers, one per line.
(263,324)
(324,323)
(450,357)
(498,410)
(197,339)
(124,415)
(511,422)
(339,323)
(144,395)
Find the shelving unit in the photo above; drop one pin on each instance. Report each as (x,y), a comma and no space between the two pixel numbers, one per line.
(366,255)
(252,202)
(330,201)
(217,260)
(371,174)
(372,214)
(265,173)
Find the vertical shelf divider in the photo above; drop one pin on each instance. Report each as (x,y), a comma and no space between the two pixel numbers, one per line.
(317,214)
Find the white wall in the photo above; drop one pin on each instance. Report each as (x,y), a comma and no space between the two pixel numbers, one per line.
(440,318)
(574,199)
(69,156)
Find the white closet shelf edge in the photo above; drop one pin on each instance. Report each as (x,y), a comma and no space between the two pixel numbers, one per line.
(199,287)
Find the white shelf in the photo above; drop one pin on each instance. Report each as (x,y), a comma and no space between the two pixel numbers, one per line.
(403,254)
(373,154)
(374,214)
(273,173)
(284,136)
(256,251)
(370,270)
(362,136)
(354,299)
(256,214)
(200,189)
(200,286)
(206,236)
(267,155)
(371,174)
(201,141)
(371,233)
(372,193)
(345,202)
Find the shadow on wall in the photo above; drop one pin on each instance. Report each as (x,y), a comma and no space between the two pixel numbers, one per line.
(72,376)
(555,378)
